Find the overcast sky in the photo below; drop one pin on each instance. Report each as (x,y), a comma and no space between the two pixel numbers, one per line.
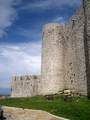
(21,23)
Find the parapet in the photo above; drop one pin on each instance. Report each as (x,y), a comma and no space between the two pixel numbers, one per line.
(25,86)
(25,77)
(53,26)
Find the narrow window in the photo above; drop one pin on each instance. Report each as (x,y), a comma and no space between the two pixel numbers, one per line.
(73,23)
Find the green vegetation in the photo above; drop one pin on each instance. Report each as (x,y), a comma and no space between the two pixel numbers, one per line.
(77,109)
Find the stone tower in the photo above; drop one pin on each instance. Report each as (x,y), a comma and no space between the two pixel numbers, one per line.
(75,64)
(52,59)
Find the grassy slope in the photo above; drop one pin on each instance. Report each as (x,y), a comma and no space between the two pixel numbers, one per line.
(78,109)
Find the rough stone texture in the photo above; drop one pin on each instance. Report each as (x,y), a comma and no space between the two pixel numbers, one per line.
(25,86)
(75,67)
(52,58)
(12,113)
(65,58)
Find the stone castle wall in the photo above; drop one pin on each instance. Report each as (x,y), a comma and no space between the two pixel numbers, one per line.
(74,55)
(25,86)
(65,58)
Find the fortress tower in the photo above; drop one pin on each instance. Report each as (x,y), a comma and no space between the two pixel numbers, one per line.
(52,59)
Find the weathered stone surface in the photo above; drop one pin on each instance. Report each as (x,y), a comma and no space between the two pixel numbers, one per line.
(75,66)
(12,113)
(25,86)
(52,59)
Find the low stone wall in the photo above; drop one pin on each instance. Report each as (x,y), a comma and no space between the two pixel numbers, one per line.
(12,113)
(25,86)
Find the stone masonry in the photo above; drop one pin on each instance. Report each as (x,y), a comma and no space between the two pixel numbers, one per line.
(52,58)
(25,86)
(65,58)
(75,66)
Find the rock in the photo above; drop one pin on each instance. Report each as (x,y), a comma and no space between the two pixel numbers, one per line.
(67,92)
(12,113)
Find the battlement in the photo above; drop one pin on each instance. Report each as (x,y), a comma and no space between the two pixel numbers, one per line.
(50,26)
(25,77)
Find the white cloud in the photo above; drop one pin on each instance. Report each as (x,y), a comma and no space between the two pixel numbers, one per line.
(49,4)
(18,60)
(7,14)
(60,19)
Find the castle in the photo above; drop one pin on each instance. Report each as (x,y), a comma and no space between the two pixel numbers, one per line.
(65,59)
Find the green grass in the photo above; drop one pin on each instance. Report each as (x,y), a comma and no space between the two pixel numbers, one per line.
(77,109)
